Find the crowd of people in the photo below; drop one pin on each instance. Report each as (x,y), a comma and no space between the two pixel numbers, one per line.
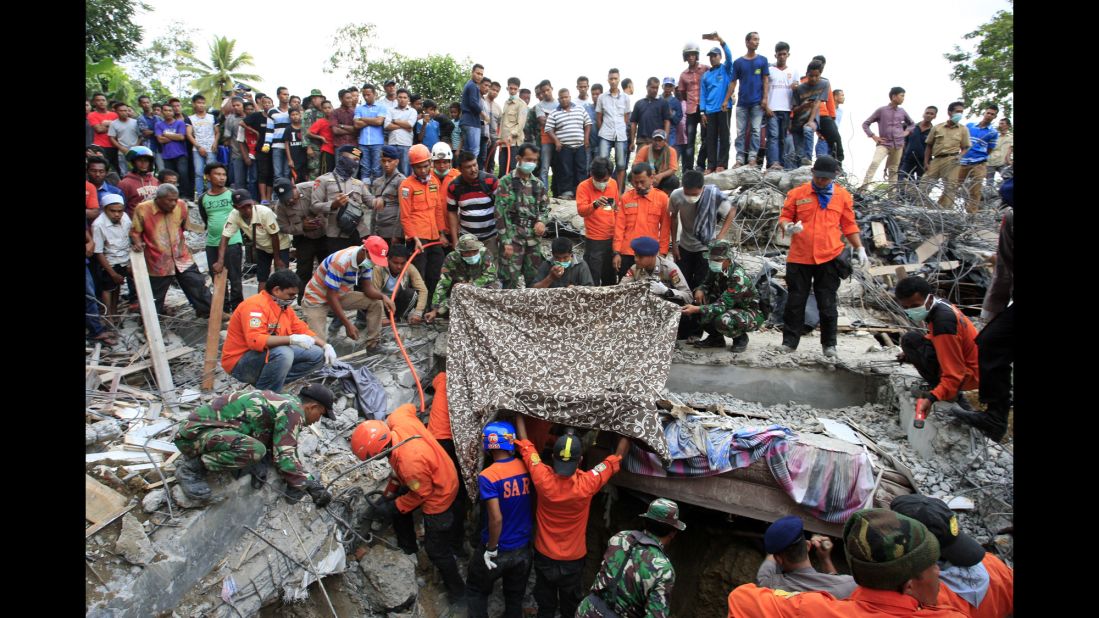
(389,204)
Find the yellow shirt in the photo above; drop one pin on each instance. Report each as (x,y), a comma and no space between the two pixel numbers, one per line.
(265,225)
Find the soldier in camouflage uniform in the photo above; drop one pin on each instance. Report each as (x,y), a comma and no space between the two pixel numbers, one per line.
(471,263)
(664,277)
(236,431)
(636,578)
(522,213)
(733,309)
(310,116)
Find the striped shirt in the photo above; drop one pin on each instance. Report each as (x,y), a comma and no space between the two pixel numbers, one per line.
(337,272)
(568,125)
(277,124)
(475,205)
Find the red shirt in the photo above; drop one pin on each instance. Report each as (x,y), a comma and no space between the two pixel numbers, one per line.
(323,128)
(94,118)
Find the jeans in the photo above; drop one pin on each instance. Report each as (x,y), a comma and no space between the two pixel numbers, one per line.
(593,143)
(200,166)
(181,166)
(280,160)
(753,113)
(825,281)
(803,145)
(193,284)
(693,120)
(402,166)
(271,369)
(557,585)
(619,154)
(717,140)
(264,261)
(471,139)
(91,304)
(512,566)
(546,160)
(780,144)
(370,166)
(233,256)
(573,166)
(244,177)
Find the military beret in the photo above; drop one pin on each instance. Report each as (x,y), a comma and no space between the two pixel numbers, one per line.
(645,245)
(782,534)
(355,150)
(391,152)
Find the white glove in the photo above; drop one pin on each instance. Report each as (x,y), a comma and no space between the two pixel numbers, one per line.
(794,228)
(302,341)
(658,288)
(489,555)
(861,257)
(329,354)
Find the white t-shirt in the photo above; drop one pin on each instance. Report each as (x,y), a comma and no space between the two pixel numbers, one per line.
(782,82)
(398,136)
(204,130)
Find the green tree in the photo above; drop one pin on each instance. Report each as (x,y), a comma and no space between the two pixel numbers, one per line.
(109,78)
(155,66)
(435,76)
(218,76)
(987,74)
(353,45)
(109,30)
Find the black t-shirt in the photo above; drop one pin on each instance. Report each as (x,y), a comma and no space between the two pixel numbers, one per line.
(446,127)
(295,140)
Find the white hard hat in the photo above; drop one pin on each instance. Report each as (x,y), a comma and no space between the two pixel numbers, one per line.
(691,46)
(441,152)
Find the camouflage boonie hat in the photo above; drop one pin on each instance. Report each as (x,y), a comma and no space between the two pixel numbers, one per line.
(469,242)
(666,512)
(316,92)
(720,250)
(886,549)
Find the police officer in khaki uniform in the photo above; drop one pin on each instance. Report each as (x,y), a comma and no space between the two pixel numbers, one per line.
(295,215)
(334,192)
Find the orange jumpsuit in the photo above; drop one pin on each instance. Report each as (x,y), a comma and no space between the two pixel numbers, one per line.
(642,216)
(422,465)
(751,601)
(999,601)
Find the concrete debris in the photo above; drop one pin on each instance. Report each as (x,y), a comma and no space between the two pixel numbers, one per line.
(390,578)
(153,500)
(101,432)
(132,542)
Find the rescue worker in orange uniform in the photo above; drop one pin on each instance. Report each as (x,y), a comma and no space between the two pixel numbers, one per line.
(267,344)
(423,215)
(561,513)
(424,468)
(973,581)
(442,167)
(894,561)
(595,199)
(642,211)
(438,423)
(816,215)
(947,355)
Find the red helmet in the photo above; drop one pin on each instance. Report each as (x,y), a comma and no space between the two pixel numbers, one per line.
(369,439)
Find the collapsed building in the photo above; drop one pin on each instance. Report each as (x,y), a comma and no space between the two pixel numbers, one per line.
(738,440)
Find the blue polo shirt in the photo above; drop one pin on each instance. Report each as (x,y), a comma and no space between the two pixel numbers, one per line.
(983,141)
(508,481)
(749,74)
(371,135)
(715,82)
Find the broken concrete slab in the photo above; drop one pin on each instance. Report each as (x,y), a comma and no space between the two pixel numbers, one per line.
(390,578)
(153,500)
(133,543)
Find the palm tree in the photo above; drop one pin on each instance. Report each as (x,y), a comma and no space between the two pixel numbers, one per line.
(219,76)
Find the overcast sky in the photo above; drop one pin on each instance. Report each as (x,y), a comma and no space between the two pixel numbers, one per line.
(870,45)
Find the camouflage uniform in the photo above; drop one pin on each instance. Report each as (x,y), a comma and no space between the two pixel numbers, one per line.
(519,205)
(455,270)
(236,430)
(668,273)
(734,303)
(314,165)
(635,579)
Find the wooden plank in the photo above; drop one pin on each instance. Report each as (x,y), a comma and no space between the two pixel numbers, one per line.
(90,383)
(152,445)
(878,229)
(122,457)
(100,501)
(108,521)
(213,331)
(136,392)
(892,269)
(109,370)
(929,248)
(170,479)
(152,329)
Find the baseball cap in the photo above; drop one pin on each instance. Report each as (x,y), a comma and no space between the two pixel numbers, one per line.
(783,533)
(377,249)
(886,549)
(320,393)
(668,80)
(284,188)
(660,133)
(826,167)
(390,81)
(111,198)
(242,197)
(664,511)
(714,51)
(955,546)
(566,454)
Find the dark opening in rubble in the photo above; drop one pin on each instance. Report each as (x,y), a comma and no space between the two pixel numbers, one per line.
(826,389)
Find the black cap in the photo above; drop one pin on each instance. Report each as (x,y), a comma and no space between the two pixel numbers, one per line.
(241,197)
(955,547)
(284,189)
(355,150)
(320,394)
(826,167)
(390,81)
(566,454)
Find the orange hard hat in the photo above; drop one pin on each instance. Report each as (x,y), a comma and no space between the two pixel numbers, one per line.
(418,154)
(369,439)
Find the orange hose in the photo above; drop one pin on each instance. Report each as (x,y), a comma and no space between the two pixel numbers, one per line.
(393,323)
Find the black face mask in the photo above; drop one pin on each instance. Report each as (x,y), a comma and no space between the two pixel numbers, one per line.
(643,192)
(345,167)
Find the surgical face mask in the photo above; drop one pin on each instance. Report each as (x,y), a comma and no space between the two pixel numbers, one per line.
(563,264)
(917,314)
(527,167)
(283,304)
(956,118)
(602,186)
(512,97)
(716,266)
(692,199)
(471,259)
(441,174)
